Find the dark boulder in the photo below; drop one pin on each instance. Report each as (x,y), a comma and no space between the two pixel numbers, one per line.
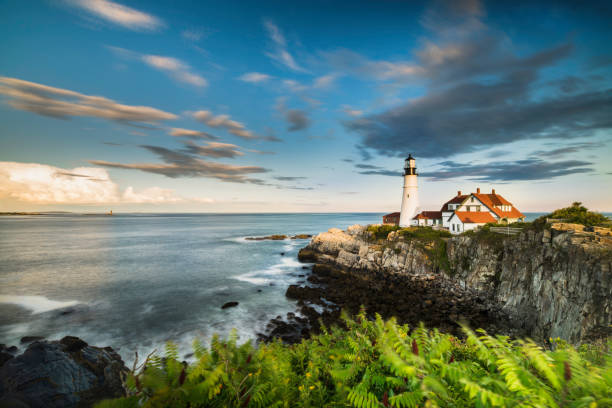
(65,373)
(307,255)
(30,339)
(229,304)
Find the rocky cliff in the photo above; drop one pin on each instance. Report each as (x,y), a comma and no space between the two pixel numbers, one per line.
(553,282)
(65,373)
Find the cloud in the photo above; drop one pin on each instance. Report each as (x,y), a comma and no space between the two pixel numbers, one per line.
(271,136)
(177,69)
(528,169)
(573,148)
(191,134)
(288,178)
(214,149)
(193,34)
(262,152)
(119,14)
(351,62)
(157,195)
(173,67)
(224,121)
(325,81)
(254,77)
(280,53)
(298,119)
(372,170)
(178,163)
(470,116)
(63,103)
(44,184)
(293,85)
(351,112)
(481,93)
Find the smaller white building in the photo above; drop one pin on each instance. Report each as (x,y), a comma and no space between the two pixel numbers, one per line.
(462,221)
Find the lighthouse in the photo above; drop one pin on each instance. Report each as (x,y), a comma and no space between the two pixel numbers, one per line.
(410,195)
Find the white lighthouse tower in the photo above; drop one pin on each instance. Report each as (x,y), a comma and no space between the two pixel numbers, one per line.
(410,196)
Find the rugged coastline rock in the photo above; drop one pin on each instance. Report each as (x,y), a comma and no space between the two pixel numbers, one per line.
(227,305)
(553,282)
(64,373)
(279,237)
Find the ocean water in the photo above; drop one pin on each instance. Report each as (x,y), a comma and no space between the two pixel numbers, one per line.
(135,281)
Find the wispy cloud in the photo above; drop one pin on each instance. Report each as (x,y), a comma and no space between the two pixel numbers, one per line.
(254,77)
(289,178)
(191,134)
(173,67)
(280,52)
(325,81)
(528,169)
(564,150)
(62,103)
(298,119)
(44,184)
(193,34)
(176,68)
(178,163)
(293,85)
(372,170)
(224,121)
(214,149)
(119,14)
(351,112)
(348,61)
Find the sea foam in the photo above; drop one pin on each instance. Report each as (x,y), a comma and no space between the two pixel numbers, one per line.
(36,304)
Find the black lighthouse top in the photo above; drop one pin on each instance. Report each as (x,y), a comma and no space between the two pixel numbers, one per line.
(410,166)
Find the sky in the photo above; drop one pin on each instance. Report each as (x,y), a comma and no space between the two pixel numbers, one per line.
(276,106)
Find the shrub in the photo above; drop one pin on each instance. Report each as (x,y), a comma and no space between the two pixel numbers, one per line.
(376,364)
(380,232)
(578,214)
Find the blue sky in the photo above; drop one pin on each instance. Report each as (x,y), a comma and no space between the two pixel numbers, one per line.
(301,106)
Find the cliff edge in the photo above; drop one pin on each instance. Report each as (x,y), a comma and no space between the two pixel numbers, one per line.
(556,282)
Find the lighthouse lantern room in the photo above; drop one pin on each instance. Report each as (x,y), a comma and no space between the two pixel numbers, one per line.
(410,196)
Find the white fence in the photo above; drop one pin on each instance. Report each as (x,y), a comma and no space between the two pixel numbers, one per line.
(506,230)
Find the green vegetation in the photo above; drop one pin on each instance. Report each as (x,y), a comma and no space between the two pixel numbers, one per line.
(432,242)
(380,232)
(376,364)
(484,234)
(578,214)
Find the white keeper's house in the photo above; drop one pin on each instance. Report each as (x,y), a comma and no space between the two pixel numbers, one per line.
(461,213)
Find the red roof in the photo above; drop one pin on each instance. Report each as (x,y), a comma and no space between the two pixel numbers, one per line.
(458,199)
(478,217)
(492,200)
(428,215)
(393,214)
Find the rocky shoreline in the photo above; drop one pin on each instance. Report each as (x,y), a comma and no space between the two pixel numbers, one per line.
(433,300)
(64,373)
(552,282)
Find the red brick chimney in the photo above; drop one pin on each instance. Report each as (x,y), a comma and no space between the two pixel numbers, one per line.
(458,193)
(492,191)
(478,190)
